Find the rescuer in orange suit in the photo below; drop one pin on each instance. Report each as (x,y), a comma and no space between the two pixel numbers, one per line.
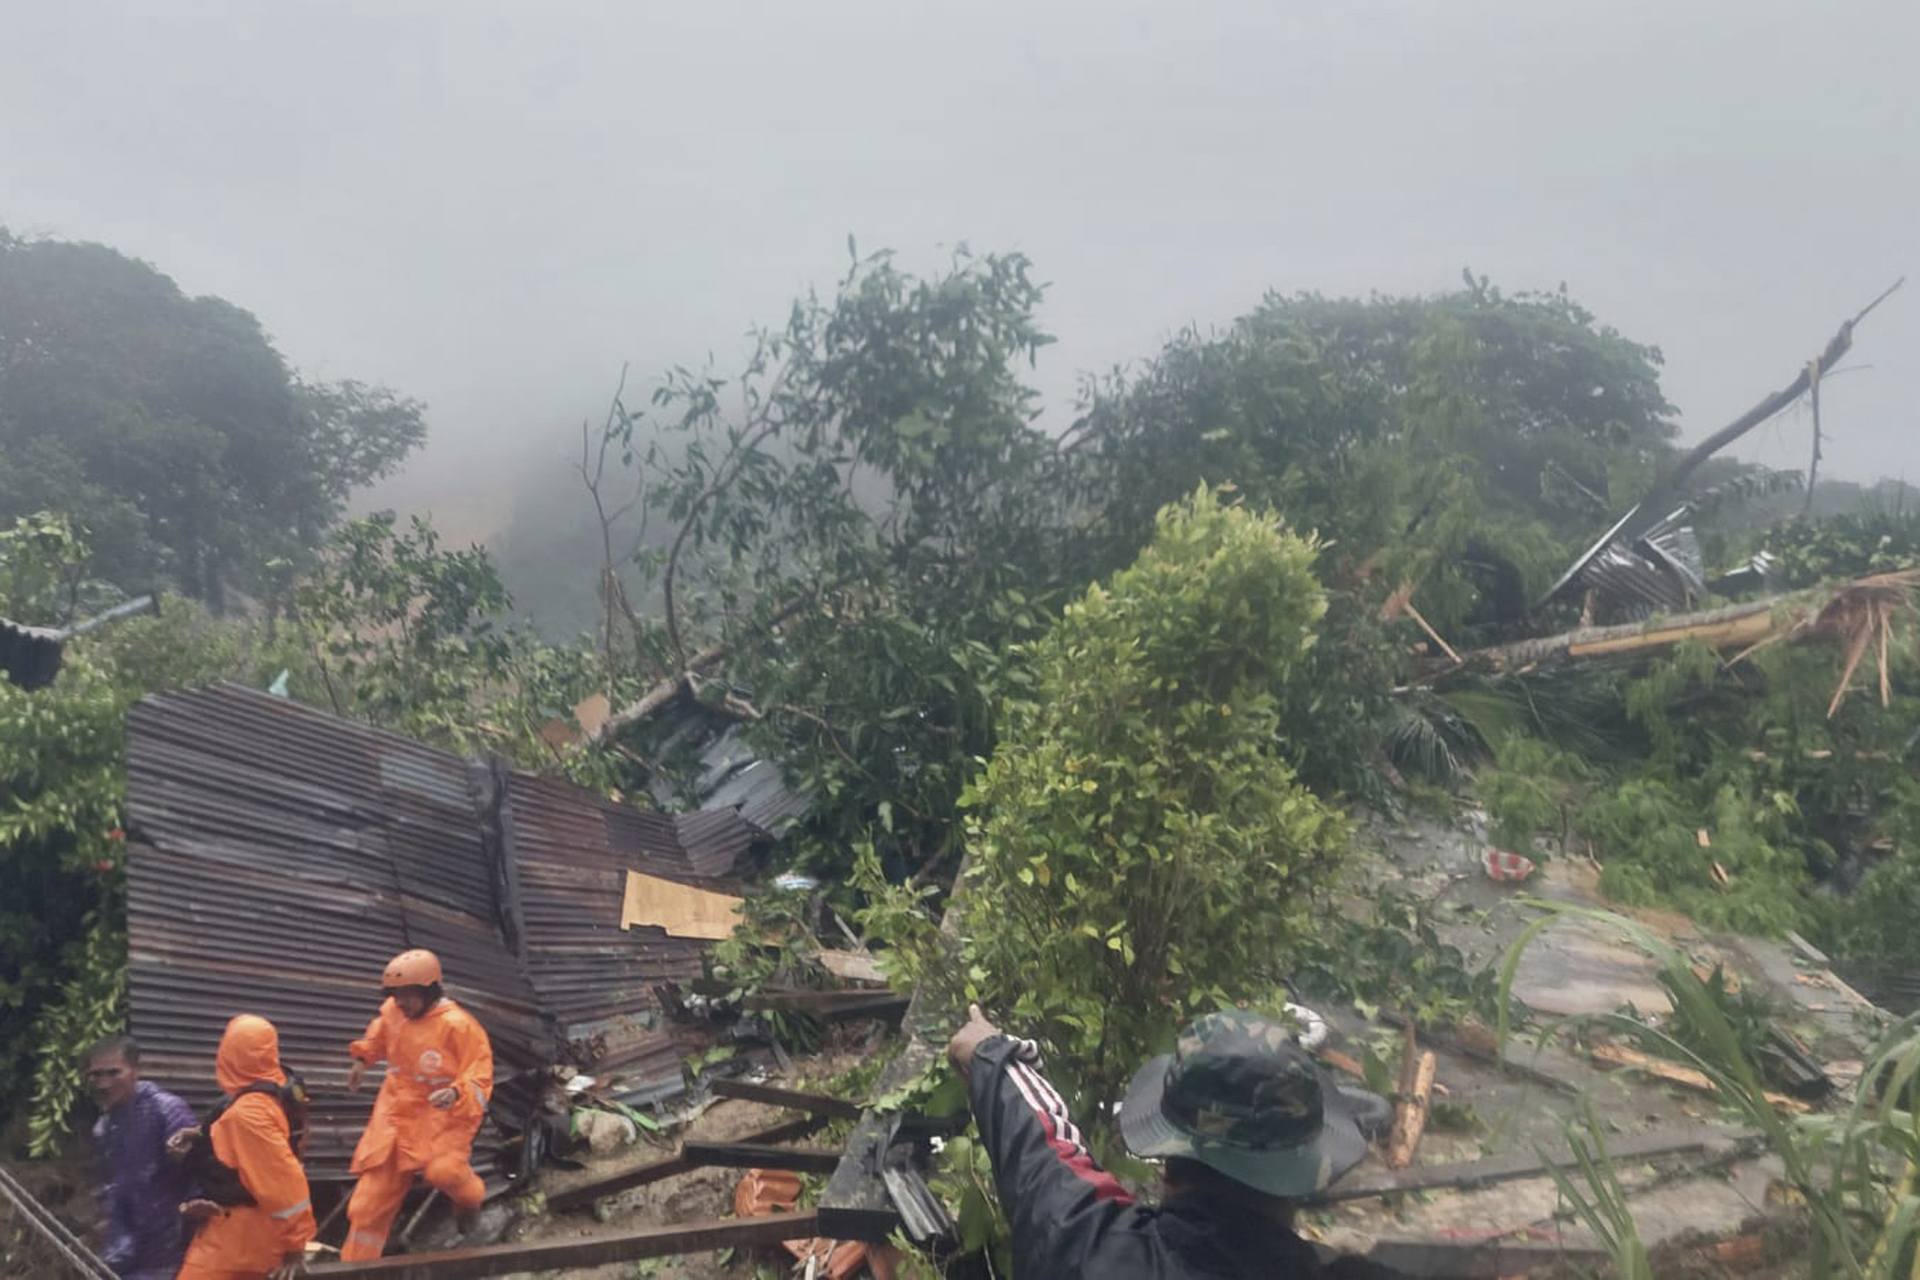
(252,1137)
(439,1078)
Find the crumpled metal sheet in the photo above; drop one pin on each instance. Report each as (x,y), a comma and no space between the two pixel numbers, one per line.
(1662,570)
(278,856)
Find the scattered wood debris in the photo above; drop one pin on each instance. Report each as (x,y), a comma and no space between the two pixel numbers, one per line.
(1619,1055)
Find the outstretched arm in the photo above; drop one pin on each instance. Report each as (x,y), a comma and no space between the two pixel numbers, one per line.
(1061,1205)
(368,1049)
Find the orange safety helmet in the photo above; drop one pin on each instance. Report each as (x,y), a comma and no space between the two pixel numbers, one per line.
(416,968)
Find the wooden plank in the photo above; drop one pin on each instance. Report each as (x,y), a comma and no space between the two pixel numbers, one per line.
(1476,1259)
(580,1251)
(819,1001)
(586,1193)
(583,1195)
(818,1104)
(759,1155)
(1619,1055)
(851,966)
(1527,1164)
(1411,1107)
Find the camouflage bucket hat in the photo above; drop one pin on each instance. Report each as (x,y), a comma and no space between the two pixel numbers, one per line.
(1239,1095)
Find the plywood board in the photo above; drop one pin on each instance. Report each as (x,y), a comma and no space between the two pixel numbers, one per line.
(851,966)
(682,910)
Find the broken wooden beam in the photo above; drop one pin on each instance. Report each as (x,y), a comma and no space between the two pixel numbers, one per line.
(583,1195)
(1531,1164)
(818,1104)
(1619,1055)
(760,1155)
(1411,1106)
(1477,1259)
(580,1251)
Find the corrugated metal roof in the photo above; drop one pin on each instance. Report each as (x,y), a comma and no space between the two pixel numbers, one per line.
(279,856)
(1660,570)
(29,656)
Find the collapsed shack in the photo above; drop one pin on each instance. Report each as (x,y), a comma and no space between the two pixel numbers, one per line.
(278,856)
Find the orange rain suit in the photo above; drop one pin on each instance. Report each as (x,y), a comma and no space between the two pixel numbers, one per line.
(252,1138)
(444,1048)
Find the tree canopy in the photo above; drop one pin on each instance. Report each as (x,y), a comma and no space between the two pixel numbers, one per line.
(170,426)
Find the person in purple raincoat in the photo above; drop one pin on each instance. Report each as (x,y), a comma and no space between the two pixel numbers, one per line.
(141,1190)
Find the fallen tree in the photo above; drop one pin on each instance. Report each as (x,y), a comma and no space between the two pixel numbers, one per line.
(1859,612)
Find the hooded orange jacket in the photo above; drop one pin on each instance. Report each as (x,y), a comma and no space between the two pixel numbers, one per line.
(252,1138)
(445,1047)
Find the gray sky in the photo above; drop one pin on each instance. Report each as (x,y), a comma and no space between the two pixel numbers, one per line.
(491,206)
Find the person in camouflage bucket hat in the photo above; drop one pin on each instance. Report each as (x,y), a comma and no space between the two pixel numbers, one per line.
(1239,1096)
(1244,1119)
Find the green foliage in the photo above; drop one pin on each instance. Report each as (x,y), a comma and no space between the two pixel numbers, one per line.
(409,635)
(1530,792)
(1597,1197)
(1746,1012)
(1139,849)
(1849,545)
(43,562)
(171,425)
(1785,794)
(61,787)
(775,946)
(873,481)
(1465,419)
(1393,959)
(1653,855)
(90,1004)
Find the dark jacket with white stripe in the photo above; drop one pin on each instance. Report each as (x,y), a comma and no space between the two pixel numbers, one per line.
(1071,1218)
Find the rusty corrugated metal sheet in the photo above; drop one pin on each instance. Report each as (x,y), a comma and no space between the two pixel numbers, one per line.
(279,856)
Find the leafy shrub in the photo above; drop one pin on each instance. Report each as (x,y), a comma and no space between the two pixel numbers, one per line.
(1844,546)
(1140,849)
(1529,792)
(1648,833)
(1397,959)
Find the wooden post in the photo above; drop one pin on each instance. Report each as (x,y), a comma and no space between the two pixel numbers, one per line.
(1410,1108)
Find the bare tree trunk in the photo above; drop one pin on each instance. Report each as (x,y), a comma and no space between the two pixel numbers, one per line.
(1813,464)
(1666,490)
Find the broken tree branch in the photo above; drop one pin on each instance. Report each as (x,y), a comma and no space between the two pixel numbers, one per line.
(744,445)
(1666,490)
(1849,610)
(1717,628)
(612,591)
(1813,463)
(698,665)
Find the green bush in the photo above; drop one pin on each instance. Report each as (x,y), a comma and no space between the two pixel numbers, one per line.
(1529,792)
(1140,850)
(1649,833)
